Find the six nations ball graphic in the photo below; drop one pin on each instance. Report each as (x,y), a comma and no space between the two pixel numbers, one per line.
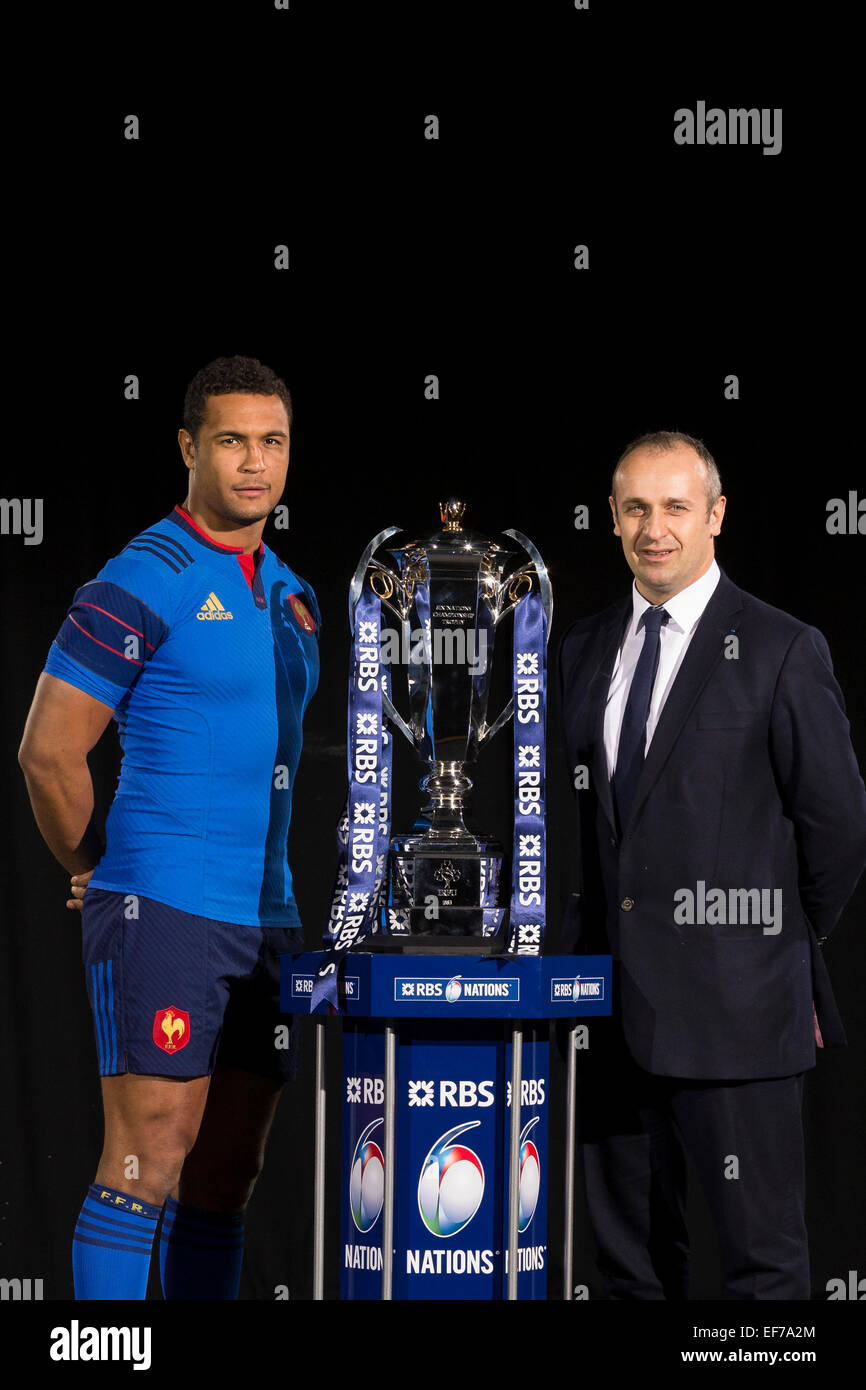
(451,1185)
(530,1177)
(367,1181)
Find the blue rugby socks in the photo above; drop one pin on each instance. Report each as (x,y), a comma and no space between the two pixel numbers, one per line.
(200,1252)
(112,1244)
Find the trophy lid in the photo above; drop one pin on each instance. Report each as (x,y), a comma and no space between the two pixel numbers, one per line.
(451,513)
(453,539)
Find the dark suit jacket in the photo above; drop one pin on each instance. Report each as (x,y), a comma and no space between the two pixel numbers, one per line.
(750,781)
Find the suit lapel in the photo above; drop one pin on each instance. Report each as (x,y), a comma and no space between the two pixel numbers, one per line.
(705,650)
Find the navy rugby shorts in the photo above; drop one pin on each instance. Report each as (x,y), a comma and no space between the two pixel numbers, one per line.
(172,994)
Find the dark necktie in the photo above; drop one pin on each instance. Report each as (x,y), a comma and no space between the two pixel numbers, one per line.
(632,739)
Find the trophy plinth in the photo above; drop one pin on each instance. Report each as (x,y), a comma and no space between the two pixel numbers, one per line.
(442,892)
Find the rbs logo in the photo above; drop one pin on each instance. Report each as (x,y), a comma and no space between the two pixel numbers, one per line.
(531,1091)
(367,1090)
(466,1093)
(460,1094)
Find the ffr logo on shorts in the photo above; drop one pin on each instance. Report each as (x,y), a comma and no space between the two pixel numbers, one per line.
(171,1028)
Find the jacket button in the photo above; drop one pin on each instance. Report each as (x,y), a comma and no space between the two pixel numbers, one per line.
(627,904)
(613,841)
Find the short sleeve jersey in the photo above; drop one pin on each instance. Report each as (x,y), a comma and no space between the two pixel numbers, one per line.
(208,678)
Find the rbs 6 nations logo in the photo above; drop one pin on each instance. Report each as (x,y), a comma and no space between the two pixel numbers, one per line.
(530,1177)
(451,1185)
(367,1182)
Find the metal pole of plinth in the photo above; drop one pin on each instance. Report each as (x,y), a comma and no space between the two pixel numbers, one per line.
(390,1145)
(514,1155)
(319,1179)
(570,1089)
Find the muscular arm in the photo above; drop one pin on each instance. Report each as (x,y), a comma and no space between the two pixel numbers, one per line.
(63,725)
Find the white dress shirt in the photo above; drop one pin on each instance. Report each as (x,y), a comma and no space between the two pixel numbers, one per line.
(684,612)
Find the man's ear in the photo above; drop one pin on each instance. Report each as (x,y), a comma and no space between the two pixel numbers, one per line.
(716,516)
(187,447)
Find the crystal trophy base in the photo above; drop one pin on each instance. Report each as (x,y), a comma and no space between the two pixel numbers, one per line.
(438,893)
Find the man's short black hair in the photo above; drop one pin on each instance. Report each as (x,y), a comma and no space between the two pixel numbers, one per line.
(225,376)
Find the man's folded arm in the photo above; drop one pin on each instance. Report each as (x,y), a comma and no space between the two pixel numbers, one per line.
(63,725)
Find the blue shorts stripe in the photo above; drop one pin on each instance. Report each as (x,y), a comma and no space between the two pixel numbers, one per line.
(97,1018)
(100,974)
(113,1066)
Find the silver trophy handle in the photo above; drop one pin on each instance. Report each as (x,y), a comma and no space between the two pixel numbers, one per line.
(357,583)
(396,717)
(355,593)
(540,569)
(490,729)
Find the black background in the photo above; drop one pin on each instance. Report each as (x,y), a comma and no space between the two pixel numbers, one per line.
(410,257)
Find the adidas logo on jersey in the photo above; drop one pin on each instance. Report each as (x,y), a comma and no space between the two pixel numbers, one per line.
(212,608)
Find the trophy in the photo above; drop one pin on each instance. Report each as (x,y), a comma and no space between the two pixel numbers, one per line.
(444,886)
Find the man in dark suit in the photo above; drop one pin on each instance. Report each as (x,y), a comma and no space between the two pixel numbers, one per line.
(722,831)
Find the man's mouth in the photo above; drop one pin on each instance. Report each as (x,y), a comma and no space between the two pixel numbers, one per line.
(656,554)
(252,491)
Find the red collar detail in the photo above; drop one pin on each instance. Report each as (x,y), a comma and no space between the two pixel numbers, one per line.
(232,549)
(248,565)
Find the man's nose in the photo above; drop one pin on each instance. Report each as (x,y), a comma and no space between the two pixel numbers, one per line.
(655,525)
(254,461)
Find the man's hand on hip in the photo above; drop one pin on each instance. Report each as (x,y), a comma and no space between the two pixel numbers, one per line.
(79,882)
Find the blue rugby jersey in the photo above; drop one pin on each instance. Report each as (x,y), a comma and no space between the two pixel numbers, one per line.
(209,681)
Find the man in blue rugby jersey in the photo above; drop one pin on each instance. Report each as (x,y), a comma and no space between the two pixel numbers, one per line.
(203,645)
